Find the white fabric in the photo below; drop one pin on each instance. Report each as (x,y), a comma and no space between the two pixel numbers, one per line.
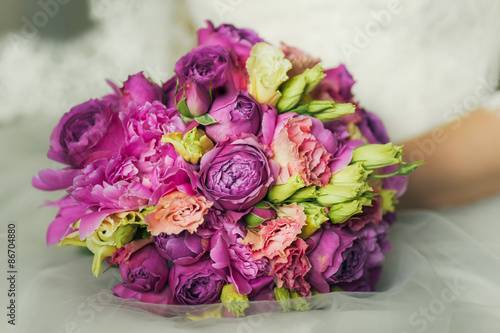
(442,275)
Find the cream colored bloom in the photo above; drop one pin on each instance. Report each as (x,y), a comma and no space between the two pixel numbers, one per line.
(115,231)
(267,67)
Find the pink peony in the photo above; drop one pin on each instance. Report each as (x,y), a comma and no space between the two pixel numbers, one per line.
(291,268)
(276,235)
(177,211)
(297,151)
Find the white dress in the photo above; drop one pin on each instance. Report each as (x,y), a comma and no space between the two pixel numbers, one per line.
(418,61)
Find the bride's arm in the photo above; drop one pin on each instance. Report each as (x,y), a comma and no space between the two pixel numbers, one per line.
(463,162)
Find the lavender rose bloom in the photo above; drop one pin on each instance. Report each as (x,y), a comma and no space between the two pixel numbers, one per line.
(195,284)
(227,35)
(144,276)
(182,249)
(88,132)
(335,255)
(212,67)
(236,113)
(236,175)
(376,243)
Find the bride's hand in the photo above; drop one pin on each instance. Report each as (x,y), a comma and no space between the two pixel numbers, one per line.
(462,162)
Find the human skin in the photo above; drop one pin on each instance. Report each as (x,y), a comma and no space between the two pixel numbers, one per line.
(462,162)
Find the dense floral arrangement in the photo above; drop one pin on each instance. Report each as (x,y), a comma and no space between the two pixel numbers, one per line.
(252,174)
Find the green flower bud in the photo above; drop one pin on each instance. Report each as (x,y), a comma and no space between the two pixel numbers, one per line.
(315,216)
(299,303)
(354,173)
(279,193)
(376,156)
(305,193)
(388,200)
(341,212)
(332,194)
(283,297)
(124,235)
(324,110)
(233,301)
(293,90)
(192,146)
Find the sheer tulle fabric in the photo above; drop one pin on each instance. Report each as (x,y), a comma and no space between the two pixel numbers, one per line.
(436,279)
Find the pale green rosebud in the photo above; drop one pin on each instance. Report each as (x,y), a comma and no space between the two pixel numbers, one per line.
(293,90)
(192,146)
(354,173)
(341,212)
(324,110)
(332,194)
(124,235)
(305,193)
(407,169)
(376,156)
(315,216)
(113,232)
(283,297)
(299,303)
(279,193)
(233,301)
(388,200)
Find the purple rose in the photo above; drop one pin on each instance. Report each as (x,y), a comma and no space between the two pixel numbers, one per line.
(336,85)
(144,277)
(212,67)
(140,90)
(376,243)
(351,267)
(335,256)
(195,284)
(181,249)
(236,175)
(196,97)
(233,261)
(88,132)
(228,36)
(214,220)
(236,113)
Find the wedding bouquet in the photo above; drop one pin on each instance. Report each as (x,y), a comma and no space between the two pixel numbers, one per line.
(252,174)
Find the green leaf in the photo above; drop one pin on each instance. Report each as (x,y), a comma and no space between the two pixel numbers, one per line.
(205,120)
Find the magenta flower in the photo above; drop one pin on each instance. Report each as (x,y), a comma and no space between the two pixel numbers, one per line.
(336,85)
(140,90)
(232,260)
(88,132)
(236,113)
(336,255)
(212,67)
(236,175)
(182,249)
(194,284)
(144,277)
(196,96)
(228,36)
